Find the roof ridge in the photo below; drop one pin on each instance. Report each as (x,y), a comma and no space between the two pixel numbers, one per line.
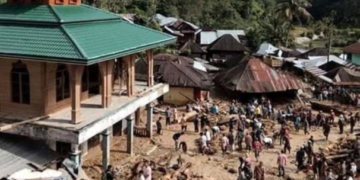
(182,71)
(74,43)
(55,13)
(242,73)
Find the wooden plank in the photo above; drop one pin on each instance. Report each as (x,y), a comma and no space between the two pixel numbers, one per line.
(10,126)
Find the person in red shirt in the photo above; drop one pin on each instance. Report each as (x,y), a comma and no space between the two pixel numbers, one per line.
(257,148)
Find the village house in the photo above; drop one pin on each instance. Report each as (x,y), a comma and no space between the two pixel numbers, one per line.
(57,64)
(187,79)
(252,76)
(205,38)
(353,53)
(193,50)
(224,48)
(183,30)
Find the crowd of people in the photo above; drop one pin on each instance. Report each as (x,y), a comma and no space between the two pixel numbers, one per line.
(248,130)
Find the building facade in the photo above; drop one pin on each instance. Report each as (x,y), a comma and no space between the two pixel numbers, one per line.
(58,62)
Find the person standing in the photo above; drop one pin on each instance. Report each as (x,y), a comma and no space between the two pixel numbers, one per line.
(167,116)
(297,122)
(158,126)
(248,142)
(176,138)
(224,144)
(300,156)
(287,145)
(240,134)
(203,120)
(259,172)
(306,126)
(231,141)
(326,130)
(196,124)
(147,170)
(231,123)
(257,149)
(352,123)
(281,162)
(175,115)
(341,123)
(203,142)
(183,123)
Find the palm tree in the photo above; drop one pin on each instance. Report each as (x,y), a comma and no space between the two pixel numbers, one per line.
(287,10)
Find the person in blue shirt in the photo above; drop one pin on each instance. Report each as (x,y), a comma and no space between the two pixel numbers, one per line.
(214,109)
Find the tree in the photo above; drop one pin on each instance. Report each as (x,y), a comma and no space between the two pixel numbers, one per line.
(288,10)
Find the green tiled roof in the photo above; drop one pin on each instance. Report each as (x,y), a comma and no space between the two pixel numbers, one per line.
(112,37)
(26,40)
(81,13)
(37,13)
(71,34)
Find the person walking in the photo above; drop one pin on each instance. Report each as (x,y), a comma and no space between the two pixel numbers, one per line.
(175,114)
(183,123)
(167,117)
(196,123)
(257,149)
(306,126)
(176,138)
(158,126)
(281,162)
(259,171)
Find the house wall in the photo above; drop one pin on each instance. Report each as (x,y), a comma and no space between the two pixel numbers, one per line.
(51,105)
(42,90)
(35,108)
(174,97)
(355,58)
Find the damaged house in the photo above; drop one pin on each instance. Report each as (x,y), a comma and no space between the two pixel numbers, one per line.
(188,81)
(183,30)
(253,76)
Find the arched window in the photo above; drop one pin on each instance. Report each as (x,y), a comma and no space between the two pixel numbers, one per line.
(62,83)
(20,83)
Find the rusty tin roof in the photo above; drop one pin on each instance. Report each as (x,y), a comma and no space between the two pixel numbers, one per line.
(254,76)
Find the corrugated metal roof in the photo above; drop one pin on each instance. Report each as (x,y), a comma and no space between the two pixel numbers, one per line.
(266,48)
(207,37)
(16,152)
(254,76)
(353,48)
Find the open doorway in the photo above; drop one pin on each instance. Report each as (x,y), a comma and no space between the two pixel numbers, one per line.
(94,79)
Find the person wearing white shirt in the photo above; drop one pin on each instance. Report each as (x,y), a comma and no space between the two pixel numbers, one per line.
(208,136)
(353,169)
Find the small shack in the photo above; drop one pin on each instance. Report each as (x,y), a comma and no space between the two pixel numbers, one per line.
(344,77)
(255,77)
(188,82)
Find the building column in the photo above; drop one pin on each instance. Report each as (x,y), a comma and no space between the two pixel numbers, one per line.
(130,82)
(105,144)
(106,70)
(130,135)
(150,62)
(137,117)
(75,157)
(149,122)
(75,72)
